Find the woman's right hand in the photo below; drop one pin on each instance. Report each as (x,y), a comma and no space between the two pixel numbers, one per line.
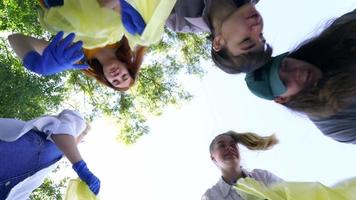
(87,176)
(58,56)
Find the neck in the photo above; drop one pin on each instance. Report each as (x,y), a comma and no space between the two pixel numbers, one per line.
(230,176)
(104,54)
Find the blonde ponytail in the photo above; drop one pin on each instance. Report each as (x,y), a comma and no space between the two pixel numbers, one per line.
(251,141)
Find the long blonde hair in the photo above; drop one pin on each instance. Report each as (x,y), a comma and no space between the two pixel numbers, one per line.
(251,141)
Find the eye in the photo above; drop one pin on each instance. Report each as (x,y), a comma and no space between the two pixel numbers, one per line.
(221,145)
(247,44)
(115,82)
(125,77)
(285,66)
(246,41)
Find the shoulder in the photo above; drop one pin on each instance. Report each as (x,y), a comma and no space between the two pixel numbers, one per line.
(66,122)
(264,176)
(71,122)
(341,126)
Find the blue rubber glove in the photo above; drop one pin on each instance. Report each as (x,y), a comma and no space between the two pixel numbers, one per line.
(131,19)
(58,56)
(89,178)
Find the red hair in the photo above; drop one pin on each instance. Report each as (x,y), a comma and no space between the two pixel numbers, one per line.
(133,59)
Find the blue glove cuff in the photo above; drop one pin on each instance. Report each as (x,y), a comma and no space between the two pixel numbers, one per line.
(32,61)
(79,166)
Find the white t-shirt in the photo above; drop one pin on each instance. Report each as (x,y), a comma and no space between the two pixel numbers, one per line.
(223,191)
(67,122)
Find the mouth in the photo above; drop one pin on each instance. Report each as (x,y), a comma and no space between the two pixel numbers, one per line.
(231,154)
(114,71)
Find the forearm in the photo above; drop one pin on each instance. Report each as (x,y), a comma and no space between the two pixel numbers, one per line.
(67,144)
(23,44)
(110,4)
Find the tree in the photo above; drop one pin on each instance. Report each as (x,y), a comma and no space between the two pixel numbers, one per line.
(20,16)
(50,189)
(25,95)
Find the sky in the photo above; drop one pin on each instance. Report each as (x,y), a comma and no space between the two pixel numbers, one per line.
(173,161)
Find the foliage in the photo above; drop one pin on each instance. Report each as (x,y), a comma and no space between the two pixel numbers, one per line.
(50,189)
(20,16)
(25,95)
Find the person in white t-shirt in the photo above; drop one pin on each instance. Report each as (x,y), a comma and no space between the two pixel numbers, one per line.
(29,150)
(224,152)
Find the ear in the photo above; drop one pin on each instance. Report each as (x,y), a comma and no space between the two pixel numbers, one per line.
(218,43)
(212,158)
(281,100)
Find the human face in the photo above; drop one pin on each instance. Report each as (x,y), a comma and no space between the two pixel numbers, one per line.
(116,73)
(241,32)
(225,152)
(297,75)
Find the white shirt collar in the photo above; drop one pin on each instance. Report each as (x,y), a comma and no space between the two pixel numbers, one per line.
(225,188)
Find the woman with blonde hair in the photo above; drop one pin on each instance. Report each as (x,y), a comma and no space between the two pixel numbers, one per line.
(224,152)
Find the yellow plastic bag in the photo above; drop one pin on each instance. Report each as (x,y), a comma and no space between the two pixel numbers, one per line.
(78,190)
(251,189)
(94,25)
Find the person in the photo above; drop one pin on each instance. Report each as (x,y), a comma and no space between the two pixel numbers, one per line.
(140,21)
(317,79)
(117,39)
(104,43)
(187,16)
(235,28)
(115,66)
(237,36)
(30,150)
(224,152)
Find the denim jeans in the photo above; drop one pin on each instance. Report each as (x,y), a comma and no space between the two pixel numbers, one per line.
(23,158)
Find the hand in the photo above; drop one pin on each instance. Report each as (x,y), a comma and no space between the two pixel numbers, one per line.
(58,56)
(89,178)
(131,19)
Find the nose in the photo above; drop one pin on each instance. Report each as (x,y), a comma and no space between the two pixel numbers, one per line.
(230,148)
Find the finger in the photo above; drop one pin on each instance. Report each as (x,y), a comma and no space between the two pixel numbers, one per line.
(73,49)
(56,39)
(65,43)
(77,56)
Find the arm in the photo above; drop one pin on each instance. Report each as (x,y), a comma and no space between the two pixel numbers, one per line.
(48,58)
(67,144)
(23,44)
(110,4)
